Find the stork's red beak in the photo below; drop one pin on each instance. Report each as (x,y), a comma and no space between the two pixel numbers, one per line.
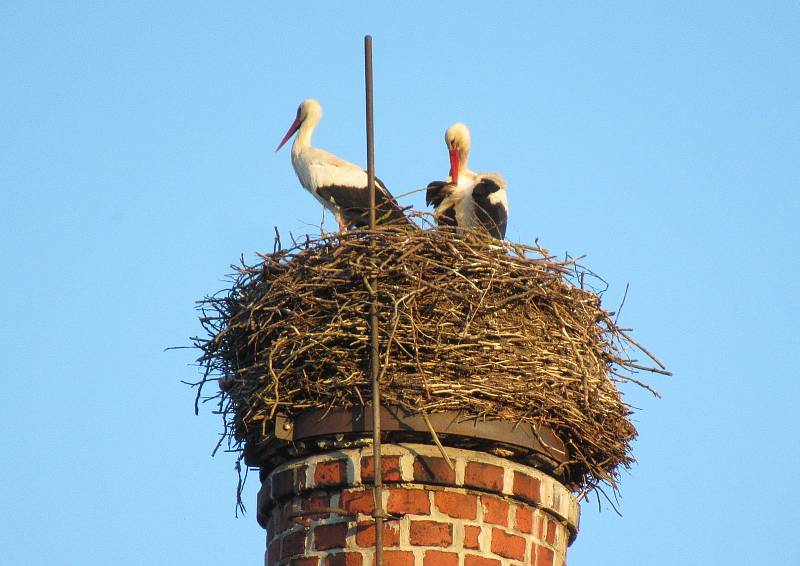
(454,165)
(292,129)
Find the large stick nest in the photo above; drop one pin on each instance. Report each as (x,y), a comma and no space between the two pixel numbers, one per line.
(496,330)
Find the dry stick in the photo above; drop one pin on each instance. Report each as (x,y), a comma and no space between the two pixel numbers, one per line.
(622,304)
(477,308)
(584,377)
(389,341)
(435,436)
(646,368)
(428,395)
(645,350)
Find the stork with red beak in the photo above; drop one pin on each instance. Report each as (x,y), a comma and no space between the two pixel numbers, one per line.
(339,185)
(465,198)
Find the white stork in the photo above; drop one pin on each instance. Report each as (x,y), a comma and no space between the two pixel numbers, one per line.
(466,198)
(339,185)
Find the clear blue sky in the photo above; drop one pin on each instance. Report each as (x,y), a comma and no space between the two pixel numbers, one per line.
(137,162)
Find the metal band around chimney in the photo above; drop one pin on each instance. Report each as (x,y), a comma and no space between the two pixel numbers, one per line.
(319,427)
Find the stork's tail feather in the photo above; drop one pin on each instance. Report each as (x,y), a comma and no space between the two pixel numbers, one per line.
(387,213)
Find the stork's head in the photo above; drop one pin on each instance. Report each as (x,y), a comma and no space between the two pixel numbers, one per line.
(458,144)
(309,112)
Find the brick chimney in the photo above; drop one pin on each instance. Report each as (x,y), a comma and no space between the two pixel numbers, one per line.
(489,511)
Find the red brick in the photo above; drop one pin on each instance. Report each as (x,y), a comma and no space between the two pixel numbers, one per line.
(433,470)
(365,534)
(484,476)
(431,533)
(330,536)
(527,487)
(398,558)
(282,484)
(524,519)
(313,561)
(508,546)
(282,521)
(273,526)
(538,531)
(293,544)
(544,556)
(328,474)
(411,501)
(312,503)
(316,502)
(439,558)
(278,520)
(358,501)
(471,534)
(274,551)
(389,464)
(344,559)
(458,505)
(472,560)
(495,511)
(551,532)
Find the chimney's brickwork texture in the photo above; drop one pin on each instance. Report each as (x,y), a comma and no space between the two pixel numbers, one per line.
(488,512)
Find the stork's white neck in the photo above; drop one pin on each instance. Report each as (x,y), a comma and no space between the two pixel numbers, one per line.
(303,138)
(466,176)
(463,161)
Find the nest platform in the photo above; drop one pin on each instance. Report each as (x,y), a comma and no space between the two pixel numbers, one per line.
(470,330)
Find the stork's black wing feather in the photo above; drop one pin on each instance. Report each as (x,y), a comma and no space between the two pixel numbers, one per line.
(436,193)
(492,216)
(353,202)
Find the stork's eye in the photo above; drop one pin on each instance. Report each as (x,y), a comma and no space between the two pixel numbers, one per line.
(299,109)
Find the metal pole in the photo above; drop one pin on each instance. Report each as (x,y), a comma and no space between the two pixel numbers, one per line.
(378,513)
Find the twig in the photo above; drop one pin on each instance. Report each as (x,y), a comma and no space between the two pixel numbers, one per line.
(436,439)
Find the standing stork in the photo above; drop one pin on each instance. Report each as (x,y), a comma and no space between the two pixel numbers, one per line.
(467,199)
(339,185)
